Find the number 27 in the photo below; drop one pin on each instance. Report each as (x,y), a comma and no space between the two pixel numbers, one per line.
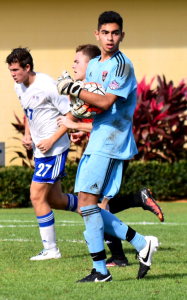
(41,168)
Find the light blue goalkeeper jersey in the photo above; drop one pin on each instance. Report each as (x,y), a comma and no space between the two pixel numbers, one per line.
(112,135)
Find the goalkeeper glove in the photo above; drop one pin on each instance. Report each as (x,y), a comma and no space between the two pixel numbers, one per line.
(66,85)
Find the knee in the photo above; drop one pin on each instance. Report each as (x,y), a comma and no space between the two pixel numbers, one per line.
(34,198)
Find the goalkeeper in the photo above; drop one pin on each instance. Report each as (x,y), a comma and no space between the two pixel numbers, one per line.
(142,199)
(111,143)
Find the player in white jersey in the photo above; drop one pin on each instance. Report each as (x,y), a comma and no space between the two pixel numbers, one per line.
(111,142)
(42,104)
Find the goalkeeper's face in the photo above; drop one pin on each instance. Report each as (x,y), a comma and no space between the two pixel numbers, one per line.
(18,73)
(109,36)
(80,65)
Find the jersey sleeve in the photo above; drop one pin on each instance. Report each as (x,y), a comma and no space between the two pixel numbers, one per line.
(122,80)
(61,102)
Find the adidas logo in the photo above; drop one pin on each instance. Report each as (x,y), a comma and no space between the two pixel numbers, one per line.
(94,186)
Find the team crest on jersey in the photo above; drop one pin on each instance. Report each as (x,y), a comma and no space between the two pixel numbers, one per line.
(114,85)
(37,97)
(104,75)
(90,74)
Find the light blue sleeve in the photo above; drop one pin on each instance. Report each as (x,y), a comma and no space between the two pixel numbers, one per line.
(123,85)
(88,71)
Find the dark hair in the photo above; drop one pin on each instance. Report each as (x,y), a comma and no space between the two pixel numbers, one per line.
(110,17)
(89,50)
(22,56)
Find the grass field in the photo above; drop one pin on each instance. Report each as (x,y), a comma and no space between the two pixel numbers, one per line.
(21,278)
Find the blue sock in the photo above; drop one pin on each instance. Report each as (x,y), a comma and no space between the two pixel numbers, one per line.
(94,236)
(115,227)
(138,242)
(72,202)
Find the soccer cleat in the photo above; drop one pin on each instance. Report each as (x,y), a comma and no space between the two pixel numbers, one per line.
(112,262)
(47,254)
(149,203)
(96,277)
(145,255)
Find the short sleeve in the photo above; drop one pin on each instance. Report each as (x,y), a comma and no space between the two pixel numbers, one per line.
(61,102)
(122,80)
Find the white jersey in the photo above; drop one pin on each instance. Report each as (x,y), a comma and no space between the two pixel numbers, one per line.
(43,105)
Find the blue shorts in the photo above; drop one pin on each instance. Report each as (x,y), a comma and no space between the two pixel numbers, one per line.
(50,169)
(99,175)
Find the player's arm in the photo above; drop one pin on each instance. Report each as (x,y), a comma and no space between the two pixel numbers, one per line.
(81,126)
(27,140)
(66,86)
(46,145)
(100,101)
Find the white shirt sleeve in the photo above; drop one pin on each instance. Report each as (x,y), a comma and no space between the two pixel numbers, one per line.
(61,102)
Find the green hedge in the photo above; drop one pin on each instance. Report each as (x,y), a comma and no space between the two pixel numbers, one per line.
(167,181)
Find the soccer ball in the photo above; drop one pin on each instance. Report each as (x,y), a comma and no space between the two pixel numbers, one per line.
(83,110)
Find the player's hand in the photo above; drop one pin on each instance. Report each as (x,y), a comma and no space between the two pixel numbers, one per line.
(77,137)
(64,83)
(66,122)
(45,145)
(67,86)
(27,142)
(104,203)
(78,110)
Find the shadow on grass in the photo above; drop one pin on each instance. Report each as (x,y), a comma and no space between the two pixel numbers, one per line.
(150,277)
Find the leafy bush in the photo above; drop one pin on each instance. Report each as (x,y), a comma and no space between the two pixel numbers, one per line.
(167,181)
(159,121)
(15,186)
(24,154)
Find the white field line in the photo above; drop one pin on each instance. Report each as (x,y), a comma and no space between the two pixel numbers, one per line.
(76,241)
(67,225)
(76,223)
(38,241)
(32,221)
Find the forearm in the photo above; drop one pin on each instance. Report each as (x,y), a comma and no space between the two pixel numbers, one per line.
(100,101)
(27,129)
(81,126)
(62,129)
(58,134)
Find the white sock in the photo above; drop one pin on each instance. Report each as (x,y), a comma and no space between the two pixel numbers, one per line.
(47,231)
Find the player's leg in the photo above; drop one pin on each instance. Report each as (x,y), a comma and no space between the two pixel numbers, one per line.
(118,257)
(88,184)
(115,227)
(46,221)
(48,170)
(61,201)
(144,245)
(94,237)
(142,199)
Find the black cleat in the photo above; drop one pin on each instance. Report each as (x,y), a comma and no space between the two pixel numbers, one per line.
(112,262)
(149,203)
(143,269)
(96,277)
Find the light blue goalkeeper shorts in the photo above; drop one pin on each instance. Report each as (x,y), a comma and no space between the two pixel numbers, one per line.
(99,175)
